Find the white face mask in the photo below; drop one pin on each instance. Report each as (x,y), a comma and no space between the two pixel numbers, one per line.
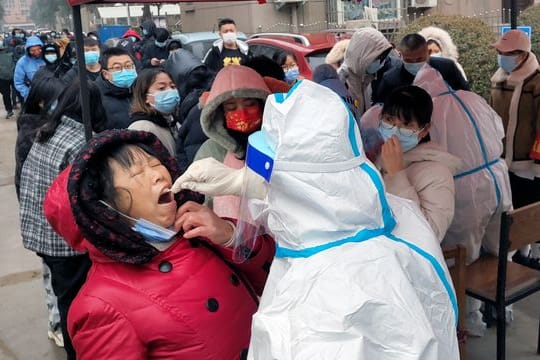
(436,55)
(229,37)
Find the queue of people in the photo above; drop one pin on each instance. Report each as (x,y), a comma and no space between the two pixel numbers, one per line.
(216,193)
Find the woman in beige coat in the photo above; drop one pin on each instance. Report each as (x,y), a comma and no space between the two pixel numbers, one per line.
(412,166)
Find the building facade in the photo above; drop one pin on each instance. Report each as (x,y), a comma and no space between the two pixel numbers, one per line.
(17,14)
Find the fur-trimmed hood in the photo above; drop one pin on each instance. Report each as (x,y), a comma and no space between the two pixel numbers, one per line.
(442,38)
(231,82)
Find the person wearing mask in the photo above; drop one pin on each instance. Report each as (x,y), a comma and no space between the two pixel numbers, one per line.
(413,167)
(51,56)
(28,65)
(118,74)
(92,53)
(366,54)
(130,41)
(148,31)
(228,50)
(156,53)
(7,66)
(289,64)
(171,294)
(192,79)
(231,111)
(514,89)
(440,44)
(414,53)
(155,99)
(56,145)
(357,271)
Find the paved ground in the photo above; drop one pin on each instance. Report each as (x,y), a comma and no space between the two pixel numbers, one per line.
(23,314)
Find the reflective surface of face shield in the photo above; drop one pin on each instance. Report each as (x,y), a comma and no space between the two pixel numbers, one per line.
(252,215)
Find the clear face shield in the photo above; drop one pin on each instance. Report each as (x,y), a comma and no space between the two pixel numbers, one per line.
(252,216)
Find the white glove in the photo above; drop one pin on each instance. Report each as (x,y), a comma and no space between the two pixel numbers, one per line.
(211,177)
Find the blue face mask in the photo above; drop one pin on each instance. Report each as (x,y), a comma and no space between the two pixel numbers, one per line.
(73,61)
(374,67)
(51,57)
(292,74)
(151,232)
(124,78)
(507,62)
(91,57)
(160,44)
(407,142)
(166,100)
(1,43)
(413,68)
(145,32)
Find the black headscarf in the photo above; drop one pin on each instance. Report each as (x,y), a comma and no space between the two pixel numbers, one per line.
(100,225)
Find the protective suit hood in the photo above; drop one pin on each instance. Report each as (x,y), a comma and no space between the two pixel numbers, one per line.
(298,160)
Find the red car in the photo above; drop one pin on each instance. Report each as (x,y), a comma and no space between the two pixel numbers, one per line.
(310,49)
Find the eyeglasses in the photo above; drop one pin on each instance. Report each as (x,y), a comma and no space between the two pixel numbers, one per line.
(118,67)
(385,123)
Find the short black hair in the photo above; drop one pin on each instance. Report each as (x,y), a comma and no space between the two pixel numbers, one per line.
(110,52)
(281,57)
(89,41)
(161,34)
(265,66)
(225,21)
(412,42)
(409,103)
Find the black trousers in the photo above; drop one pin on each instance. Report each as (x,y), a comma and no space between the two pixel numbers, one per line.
(5,90)
(15,95)
(68,275)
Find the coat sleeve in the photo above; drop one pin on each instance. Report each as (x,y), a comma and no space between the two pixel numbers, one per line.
(19,78)
(257,267)
(211,60)
(435,193)
(98,331)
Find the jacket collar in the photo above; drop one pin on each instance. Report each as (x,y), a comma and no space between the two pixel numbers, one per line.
(242,46)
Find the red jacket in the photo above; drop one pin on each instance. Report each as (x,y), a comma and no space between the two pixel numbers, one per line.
(189,302)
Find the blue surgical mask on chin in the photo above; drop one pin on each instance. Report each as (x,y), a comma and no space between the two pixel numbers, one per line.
(507,62)
(151,232)
(125,78)
(165,101)
(292,74)
(407,142)
(413,68)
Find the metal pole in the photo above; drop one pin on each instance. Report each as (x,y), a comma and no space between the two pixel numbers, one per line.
(85,101)
(513,14)
(128,15)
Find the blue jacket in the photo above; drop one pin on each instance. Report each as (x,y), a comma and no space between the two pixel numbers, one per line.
(26,67)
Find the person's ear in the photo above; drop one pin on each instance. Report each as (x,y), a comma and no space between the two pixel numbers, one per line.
(106,75)
(424,132)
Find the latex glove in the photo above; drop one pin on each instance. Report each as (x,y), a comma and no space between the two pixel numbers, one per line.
(211,177)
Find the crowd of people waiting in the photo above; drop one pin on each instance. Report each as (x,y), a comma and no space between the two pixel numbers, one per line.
(134,269)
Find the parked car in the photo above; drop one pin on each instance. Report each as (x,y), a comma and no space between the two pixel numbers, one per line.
(200,42)
(310,49)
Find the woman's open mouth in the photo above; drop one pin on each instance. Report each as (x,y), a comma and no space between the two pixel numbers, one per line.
(166,197)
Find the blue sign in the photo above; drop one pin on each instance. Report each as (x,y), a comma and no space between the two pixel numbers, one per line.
(526,29)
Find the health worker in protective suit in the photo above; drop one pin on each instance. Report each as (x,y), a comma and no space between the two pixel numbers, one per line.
(358,273)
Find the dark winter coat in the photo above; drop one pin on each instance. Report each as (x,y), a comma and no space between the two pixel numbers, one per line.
(181,66)
(73,75)
(219,56)
(117,103)
(150,51)
(27,126)
(399,77)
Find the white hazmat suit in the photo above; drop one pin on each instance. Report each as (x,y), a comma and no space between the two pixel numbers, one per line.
(358,274)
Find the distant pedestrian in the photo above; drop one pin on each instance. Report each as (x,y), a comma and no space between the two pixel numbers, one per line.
(28,65)
(7,67)
(228,50)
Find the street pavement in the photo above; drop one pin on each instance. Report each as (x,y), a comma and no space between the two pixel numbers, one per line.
(23,314)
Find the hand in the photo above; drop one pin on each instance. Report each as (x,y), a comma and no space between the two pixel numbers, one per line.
(154,62)
(392,156)
(211,177)
(199,221)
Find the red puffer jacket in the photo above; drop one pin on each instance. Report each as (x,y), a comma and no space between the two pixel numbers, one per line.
(189,302)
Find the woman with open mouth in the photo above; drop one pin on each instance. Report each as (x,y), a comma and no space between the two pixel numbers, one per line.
(162,283)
